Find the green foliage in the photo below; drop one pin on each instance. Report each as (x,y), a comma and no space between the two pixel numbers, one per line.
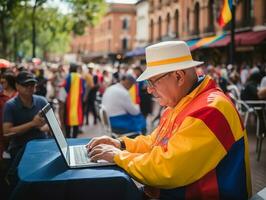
(53,28)
(86,13)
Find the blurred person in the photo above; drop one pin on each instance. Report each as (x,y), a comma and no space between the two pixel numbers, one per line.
(262,89)
(91,97)
(41,87)
(8,83)
(199,149)
(145,97)
(88,77)
(244,73)
(21,119)
(75,88)
(116,75)
(124,115)
(106,81)
(250,90)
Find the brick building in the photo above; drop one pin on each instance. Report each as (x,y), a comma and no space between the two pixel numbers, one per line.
(111,38)
(195,22)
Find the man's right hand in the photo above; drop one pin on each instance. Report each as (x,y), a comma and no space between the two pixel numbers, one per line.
(102,140)
(38,121)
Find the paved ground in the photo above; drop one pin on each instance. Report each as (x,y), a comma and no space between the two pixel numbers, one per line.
(258,169)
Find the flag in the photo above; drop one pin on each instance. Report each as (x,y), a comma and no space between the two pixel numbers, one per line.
(225,14)
(134,94)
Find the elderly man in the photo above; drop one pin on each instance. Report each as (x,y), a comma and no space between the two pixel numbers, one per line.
(124,115)
(199,149)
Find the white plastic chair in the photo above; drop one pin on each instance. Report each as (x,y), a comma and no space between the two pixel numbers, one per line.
(107,125)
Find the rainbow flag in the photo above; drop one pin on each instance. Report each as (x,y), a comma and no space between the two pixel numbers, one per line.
(75,87)
(225,14)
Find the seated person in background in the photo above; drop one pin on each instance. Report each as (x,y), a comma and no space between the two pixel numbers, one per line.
(199,149)
(262,89)
(21,119)
(124,115)
(250,91)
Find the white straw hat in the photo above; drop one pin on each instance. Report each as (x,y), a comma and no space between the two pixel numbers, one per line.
(166,57)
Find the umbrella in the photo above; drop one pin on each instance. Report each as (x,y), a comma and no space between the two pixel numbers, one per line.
(4,63)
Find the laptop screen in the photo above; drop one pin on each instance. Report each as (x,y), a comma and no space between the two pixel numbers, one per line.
(56,129)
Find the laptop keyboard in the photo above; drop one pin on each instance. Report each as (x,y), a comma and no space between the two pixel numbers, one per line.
(80,154)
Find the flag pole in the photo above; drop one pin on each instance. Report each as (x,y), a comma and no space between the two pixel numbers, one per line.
(232,46)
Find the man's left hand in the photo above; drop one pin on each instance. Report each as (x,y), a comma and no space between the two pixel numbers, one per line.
(103,152)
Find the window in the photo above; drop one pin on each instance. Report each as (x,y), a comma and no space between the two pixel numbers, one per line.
(176,23)
(160,4)
(151,31)
(125,44)
(160,28)
(210,17)
(109,44)
(248,12)
(125,24)
(109,25)
(168,27)
(188,20)
(196,19)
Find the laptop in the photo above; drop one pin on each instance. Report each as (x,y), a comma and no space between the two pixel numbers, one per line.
(75,156)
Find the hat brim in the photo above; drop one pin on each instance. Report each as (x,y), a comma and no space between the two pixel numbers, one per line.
(32,80)
(153,71)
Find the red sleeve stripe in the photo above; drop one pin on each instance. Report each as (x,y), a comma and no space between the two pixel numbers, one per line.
(218,124)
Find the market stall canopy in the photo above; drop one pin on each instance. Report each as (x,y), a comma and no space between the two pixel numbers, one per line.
(242,39)
(206,41)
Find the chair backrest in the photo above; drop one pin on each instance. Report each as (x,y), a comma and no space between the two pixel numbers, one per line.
(261,195)
(233,89)
(105,120)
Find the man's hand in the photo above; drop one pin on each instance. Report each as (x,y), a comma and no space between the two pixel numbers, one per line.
(103,152)
(102,140)
(38,121)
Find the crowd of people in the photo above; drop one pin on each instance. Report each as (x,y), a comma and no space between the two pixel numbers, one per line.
(25,89)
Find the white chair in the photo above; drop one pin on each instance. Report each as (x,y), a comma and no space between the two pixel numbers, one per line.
(261,195)
(247,107)
(259,108)
(107,126)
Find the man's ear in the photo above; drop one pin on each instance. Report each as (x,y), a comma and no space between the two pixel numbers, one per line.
(180,77)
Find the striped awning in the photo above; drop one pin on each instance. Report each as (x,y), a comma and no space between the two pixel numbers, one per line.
(205,42)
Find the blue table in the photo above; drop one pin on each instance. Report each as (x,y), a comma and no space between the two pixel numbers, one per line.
(44,175)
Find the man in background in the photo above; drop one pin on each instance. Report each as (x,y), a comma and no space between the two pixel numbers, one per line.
(124,115)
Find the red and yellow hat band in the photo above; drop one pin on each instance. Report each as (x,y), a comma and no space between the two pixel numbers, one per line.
(169,61)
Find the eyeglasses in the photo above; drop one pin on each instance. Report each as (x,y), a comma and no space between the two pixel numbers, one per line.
(153,83)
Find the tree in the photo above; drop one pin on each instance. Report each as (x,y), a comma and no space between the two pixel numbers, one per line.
(86,13)
(34,28)
(6,8)
(37,3)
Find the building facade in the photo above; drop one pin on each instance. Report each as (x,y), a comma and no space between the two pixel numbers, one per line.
(110,38)
(127,29)
(142,29)
(187,19)
(195,21)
